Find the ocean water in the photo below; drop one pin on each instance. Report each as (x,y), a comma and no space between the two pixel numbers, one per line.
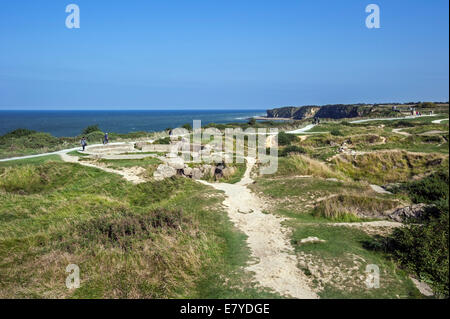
(71,123)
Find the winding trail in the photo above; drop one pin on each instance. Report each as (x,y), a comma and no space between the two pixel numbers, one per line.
(439,121)
(54,153)
(410,117)
(131,174)
(276,262)
(303,129)
(400,131)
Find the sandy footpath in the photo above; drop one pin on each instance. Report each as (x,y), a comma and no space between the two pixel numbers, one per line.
(130,174)
(276,263)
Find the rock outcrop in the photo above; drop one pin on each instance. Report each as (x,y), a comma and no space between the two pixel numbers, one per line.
(294,112)
(164,171)
(341,111)
(337,111)
(409,212)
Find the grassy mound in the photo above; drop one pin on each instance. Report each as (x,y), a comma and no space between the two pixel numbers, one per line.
(303,165)
(350,207)
(167,239)
(388,166)
(30,179)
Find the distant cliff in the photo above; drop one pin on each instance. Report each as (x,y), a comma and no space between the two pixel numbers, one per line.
(294,112)
(340,111)
(337,111)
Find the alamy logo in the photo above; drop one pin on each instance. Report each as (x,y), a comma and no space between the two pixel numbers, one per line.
(372,276)
(73,19)
(73,279)
(373,19)
(232,145)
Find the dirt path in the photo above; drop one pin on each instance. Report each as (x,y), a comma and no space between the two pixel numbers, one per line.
(399,131)
(276,265)
(439,121)
(409,117)
(130,174)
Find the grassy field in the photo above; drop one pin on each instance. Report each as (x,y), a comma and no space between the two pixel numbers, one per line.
(173,239)
(337,266)
(167,239)
(321,187)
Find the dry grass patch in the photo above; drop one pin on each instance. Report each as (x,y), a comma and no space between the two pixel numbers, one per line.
(388,166)
(353,207)
(303,165)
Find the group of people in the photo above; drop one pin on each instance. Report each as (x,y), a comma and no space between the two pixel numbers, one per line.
(83,141)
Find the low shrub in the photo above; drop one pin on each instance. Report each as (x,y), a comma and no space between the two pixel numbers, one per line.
(403,123)
(292,149)
(20,132)
(124,229)
(187,126)
(164,140)
(95,137)
(336,132)
(351,207)
(429,189)
(285,139)
(423,249)
(90,129)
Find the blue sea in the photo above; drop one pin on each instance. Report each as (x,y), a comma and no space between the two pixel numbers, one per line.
(71,123)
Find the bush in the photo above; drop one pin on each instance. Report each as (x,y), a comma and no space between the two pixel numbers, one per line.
(292,149)
(127,228)
(336,132)
(187,126)
(164,140)
(423,249)
(20,132)
(90,129)
(432,139)
(95,136)
(404,123)
(430,189)
(285,139)
(426,105)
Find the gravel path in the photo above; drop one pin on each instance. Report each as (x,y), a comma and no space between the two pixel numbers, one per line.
(276,265)
(130,174)
(399,131)
(439,121)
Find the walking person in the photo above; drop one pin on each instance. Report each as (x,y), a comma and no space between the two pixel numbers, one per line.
(105,139)
(83,143)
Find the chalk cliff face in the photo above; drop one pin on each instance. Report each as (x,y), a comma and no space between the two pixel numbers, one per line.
(293,112)
(337,111)
(343,111)
(282,112)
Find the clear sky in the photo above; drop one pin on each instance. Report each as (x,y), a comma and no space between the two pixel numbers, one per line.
(220,54)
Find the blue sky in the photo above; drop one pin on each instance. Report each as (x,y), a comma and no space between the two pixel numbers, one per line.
(220,54)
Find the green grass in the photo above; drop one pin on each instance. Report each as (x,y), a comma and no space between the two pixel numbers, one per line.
(166,239)
(34,161)
(339,278)
(131,162)
(78,154)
